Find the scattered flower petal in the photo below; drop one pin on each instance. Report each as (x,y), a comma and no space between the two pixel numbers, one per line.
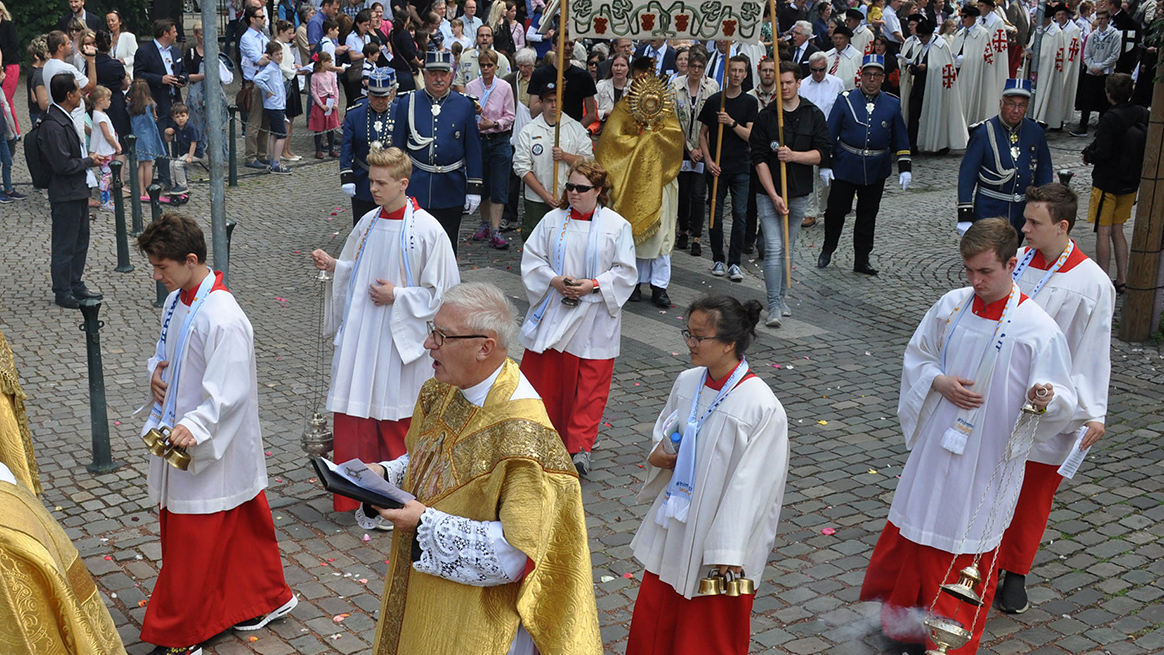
(108,558)
(606,578)
(339,618)
(117,422)
(822,422)
(366,537)
(363,581)
(828,532)
(629,576)
(254,639)
(142,603)
(872,471)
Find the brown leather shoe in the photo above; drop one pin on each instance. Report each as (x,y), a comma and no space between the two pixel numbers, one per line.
(808,221)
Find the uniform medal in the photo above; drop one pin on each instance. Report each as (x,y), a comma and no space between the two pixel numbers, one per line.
(436,110)
(1014,149)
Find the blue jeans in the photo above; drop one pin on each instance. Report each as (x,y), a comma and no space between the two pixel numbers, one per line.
(738,184)
(497,160)
(5,163)
(773,224)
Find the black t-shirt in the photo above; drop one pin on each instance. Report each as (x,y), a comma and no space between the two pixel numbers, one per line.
(35,79)
(579,86)
(743,109)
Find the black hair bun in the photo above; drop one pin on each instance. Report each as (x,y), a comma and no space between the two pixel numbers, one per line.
(753,309)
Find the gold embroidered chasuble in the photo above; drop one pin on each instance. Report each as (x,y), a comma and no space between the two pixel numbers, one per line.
(505,462)
(641,160)
(49,604)
(15,439)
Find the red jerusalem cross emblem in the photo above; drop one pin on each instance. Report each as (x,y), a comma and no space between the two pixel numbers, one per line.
(999,41)
(1073,51)
(949,75)
(1059,60)
(988,55)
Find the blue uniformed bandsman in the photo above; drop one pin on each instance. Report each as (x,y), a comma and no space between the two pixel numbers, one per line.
(1006,154)
(868,131)
(437,127)
(367,127)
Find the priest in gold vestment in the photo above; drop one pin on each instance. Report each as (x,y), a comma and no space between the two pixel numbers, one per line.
(49,604)
(642,148)
(491,558)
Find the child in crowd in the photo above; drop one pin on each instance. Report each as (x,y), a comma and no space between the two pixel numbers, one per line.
(270,80)
(103,140)
(143,120)
(371,62)
(187,147)
(324,116)
(290,69)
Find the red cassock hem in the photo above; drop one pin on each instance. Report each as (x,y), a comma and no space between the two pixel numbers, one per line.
(906,576)
(666,623)
(218,570)
(1021,540)
(366,439)
(574,391)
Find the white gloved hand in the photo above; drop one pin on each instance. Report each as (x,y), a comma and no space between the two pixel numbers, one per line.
(826,176)
(472,201)
(904,179)
(349,190)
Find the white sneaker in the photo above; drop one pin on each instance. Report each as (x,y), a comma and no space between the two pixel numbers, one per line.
(262,621)
(735,274)
(717,269)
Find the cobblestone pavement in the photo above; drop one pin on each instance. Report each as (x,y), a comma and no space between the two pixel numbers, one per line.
(835,365)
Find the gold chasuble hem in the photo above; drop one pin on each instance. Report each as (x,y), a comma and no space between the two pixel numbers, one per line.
(15,437)
(48,600)
(501,462)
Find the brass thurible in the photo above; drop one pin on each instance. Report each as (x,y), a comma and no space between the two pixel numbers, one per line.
(947,634)
(963,590)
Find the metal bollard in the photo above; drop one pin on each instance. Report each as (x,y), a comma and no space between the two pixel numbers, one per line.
(1065,177)
(134,184)
(155,191)
(232,175)
(123,265)
(98,417)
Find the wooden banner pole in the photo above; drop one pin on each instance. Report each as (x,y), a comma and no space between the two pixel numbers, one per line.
(783,165)
(719,134)
(558,89)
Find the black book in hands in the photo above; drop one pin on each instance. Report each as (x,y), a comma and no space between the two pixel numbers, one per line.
(335,483)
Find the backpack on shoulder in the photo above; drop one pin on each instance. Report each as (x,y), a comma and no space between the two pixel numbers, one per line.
(38,166)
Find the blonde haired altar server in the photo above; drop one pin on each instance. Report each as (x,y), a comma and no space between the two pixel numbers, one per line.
(717,499)
(389,277)
(578,268)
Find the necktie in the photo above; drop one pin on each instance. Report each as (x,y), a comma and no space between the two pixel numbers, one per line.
(836,65)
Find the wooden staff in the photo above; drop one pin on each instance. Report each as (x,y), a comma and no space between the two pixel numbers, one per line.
(558,88)
(719,134)
(783,165)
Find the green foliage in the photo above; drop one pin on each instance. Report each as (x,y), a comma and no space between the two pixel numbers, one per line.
(33,18)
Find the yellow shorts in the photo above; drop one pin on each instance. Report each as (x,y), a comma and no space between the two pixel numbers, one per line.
(1110,208)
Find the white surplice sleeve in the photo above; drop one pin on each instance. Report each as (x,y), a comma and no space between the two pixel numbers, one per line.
(536,271)
(658,478)
(617,282)
(1091,361)
(466,551)
(226,388)
(413,307)
(923,363)
(750,506)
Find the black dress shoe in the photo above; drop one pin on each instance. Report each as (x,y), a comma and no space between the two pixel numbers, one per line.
(748,249)
(696,250)
(681,242)
(82,291)
(67,300)
(660,298)
(864,269)
(636,295)
(824,259)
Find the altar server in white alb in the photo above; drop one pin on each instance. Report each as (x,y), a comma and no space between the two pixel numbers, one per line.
(578,268)
(1075,292)
(389,277)
(978,355)
(716,471)
(1058,80)
(220,558)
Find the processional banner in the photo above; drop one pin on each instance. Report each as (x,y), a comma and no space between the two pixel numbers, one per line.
(731,20)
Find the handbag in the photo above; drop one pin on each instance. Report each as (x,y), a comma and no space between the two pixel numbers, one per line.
(243,99)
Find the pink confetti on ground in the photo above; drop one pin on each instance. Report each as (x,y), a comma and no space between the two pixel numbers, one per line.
(268,453)
(636,384)
(366,537)
(828,532)
(117,422)
(629,576)
(278,479)
(108,558)
(339,618)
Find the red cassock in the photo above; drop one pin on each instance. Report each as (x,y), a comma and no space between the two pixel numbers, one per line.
(1021,540)
(906,577)
(368,440)
(574,391)
(218,570)
(666,623)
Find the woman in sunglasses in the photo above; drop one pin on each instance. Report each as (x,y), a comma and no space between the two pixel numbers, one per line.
(716,472)
(578,268)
